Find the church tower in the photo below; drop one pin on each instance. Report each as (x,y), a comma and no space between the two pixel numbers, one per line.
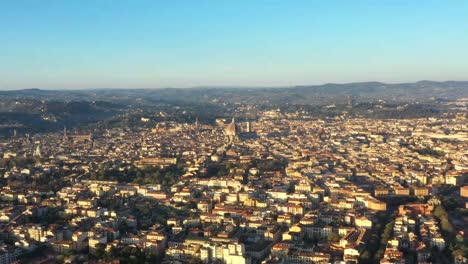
(37,151)
(65,137)
(249,127)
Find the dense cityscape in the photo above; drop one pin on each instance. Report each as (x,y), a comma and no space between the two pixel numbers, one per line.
(233,132)
(285,187)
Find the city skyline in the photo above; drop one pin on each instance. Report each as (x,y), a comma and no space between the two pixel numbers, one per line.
(233,132)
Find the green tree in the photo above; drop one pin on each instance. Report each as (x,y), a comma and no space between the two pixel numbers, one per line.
(100,251)
(333,237)
(365,257)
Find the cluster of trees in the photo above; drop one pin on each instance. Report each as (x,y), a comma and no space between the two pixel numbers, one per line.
(126,254)
(217,170)
(145,175)
(442,216)
(395,200)
(20,162)
(456,244)
(368,110)
(333,237)
(445,193)
(310,240)
(37,252)
(410,111)
(155,212)
(381,233)
(314,111)
(155,175)
(44,181)
(173,111)
(270,165)
(430,152)
(30,114)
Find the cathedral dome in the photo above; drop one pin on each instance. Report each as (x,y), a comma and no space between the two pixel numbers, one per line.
(232,129)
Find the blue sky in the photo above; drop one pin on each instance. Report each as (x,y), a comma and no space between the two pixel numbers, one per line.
(138,43)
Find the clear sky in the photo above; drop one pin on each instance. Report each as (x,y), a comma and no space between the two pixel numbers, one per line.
(171,43)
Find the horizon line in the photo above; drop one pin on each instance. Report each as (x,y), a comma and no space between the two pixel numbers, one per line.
(223,86)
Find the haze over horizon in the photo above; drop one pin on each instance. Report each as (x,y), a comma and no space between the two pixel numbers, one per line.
(147,44)
(225,86)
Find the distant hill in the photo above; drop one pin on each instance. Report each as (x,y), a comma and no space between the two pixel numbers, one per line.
(38,110)
(32,115)
(422,91)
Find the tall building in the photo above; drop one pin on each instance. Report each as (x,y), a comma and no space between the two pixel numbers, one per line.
(232,253)
(65,137)
(232,132)
(249,127)
(37,151)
